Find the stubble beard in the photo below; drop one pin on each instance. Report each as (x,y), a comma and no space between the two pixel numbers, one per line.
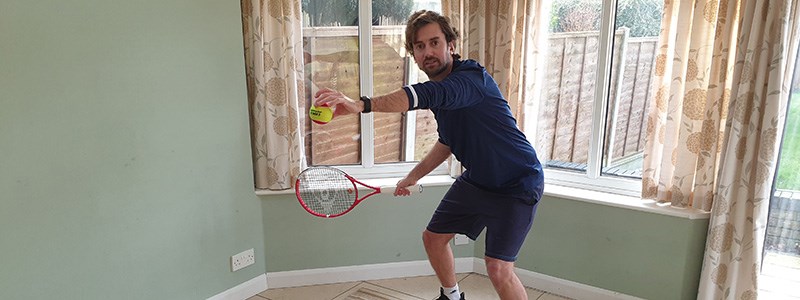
(438,71)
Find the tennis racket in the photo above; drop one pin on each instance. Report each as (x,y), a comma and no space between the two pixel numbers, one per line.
(329,192)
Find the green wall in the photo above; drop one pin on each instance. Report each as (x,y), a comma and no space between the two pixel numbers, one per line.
(125,171)
(381,229)
(124,150)
(641,254)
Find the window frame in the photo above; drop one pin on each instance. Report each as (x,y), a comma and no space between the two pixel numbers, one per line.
(368,169)
(592,178)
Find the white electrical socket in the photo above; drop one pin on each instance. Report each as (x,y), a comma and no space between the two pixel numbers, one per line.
(461,239)
(241,260)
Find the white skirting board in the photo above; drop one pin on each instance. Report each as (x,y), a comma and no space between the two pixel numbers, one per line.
(409,269)
(559,286)
(359,273)
(245,290)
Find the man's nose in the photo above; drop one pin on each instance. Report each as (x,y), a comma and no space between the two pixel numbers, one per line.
(428,53)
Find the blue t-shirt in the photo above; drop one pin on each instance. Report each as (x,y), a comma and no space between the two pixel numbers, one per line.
(475,121)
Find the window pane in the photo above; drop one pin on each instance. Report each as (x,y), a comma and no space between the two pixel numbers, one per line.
(781,262)
(637,27)
(398,136)
(330,46)
(389,74)
(565,113)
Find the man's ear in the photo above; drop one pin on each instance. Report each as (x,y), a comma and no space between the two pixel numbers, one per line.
(452,46)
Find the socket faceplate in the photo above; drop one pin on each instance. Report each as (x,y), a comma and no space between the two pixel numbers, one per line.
(242,260)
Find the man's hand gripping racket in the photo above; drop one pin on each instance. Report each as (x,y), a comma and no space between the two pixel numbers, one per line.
(329,192)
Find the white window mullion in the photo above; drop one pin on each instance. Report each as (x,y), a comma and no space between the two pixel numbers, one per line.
(599,111)
(410,124)
(365,80)
(409,136)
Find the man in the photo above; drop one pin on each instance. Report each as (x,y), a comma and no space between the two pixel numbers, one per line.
(503,180)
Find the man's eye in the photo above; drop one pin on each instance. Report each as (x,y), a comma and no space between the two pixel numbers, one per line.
(435,43)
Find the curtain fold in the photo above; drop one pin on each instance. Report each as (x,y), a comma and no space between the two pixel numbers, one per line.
(273,42)
(505,36)
(498,34)
(753,132)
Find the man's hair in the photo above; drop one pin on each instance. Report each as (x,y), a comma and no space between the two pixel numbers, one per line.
(421,18)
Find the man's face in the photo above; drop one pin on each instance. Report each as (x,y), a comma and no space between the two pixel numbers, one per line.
(432,53)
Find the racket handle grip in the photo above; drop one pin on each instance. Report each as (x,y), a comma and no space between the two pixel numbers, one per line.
(389,189)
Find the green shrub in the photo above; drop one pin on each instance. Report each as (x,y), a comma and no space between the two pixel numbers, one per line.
(642,17)
(345,12)
(788,176)
(570,15)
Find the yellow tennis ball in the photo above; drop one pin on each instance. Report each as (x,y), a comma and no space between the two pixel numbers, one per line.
(320,115)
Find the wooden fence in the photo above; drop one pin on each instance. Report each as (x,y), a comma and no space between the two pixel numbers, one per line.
(332,61)
(569,92)
(783,227)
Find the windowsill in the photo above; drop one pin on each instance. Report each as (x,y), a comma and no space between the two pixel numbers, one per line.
(578,194)
(623,201)
(427,181)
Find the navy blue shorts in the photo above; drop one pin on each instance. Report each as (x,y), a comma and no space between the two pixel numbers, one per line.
(467,209)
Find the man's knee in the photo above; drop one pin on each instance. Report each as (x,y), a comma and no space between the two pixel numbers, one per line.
(430,239)
(498,268)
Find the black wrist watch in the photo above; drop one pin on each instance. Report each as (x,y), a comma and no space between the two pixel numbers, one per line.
(367,104)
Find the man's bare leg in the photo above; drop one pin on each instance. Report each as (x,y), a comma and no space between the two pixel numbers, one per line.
(504,280)
(437,246)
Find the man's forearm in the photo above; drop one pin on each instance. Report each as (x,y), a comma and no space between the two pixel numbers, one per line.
(438,154)
(396,101)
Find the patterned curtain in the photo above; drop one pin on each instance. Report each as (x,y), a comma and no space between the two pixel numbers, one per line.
(273,57)
(759,99)
(693,72)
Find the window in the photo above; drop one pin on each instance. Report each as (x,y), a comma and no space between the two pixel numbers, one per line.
(781,260)
(591,119)
(345,53)
(588,125)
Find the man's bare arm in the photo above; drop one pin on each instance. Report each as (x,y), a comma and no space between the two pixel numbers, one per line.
(438,154)
(396,101)
(433,159)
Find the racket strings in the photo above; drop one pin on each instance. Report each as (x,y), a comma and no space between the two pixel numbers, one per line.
(326,191)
